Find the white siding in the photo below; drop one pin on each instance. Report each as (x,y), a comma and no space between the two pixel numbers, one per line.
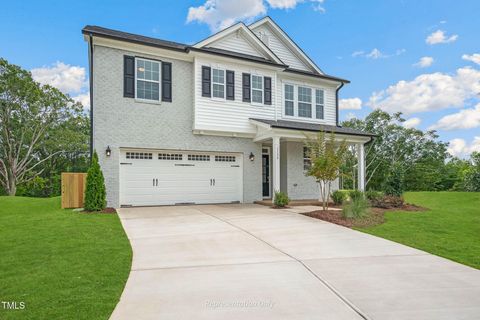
(329,96)
(229,115)
(236,43)
(280,49)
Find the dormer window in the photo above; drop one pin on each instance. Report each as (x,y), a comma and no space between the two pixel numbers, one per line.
(218,83)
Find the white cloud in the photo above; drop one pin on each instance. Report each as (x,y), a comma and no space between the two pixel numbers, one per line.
(474,57)
(219,14)
(66,78)
(84,99)
(429,92)
(350,104)
(412,123)
(376,54)
(464,119)
(424,62)
(439,36)
(459,148)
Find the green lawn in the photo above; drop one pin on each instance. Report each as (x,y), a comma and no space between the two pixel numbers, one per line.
(451,228)
(61,264)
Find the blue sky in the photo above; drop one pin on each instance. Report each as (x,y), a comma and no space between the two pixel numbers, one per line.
(378,45)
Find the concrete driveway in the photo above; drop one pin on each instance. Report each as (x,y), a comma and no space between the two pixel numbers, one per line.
(252,262)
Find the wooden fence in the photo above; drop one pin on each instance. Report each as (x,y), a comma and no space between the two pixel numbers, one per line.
(73,189)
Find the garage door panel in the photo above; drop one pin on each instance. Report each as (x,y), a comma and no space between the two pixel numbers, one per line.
(170,177)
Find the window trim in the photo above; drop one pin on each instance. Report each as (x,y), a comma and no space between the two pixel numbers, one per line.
(311,101)
(251,89)
(317,104)
(159,101)
(295,116)
(285,99)
(218,83)
(305,158)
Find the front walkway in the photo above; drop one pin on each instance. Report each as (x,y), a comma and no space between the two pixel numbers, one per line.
(253,262)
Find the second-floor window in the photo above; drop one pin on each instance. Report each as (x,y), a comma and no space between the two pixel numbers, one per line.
(148,79)
(304,102)
(218,83)
(257,89)
(289,100)
(319,104)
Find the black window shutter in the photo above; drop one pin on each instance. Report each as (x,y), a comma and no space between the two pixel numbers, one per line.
(230,85)
(267,83)
(246,87)
(166,81)
(129,76)
(206,82)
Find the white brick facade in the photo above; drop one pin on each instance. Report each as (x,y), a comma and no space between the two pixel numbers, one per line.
(121,122)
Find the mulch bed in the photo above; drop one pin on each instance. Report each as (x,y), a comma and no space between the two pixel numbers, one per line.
(375,217)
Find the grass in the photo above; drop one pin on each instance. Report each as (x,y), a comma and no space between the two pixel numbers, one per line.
(61,264)
(451,228)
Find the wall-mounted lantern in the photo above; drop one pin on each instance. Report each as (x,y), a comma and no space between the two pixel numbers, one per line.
(251,157)
(108,152)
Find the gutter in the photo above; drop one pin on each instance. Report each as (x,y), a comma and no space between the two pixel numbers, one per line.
(336,102)
(90,55)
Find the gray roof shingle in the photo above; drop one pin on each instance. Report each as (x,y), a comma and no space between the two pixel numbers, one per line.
(315,127)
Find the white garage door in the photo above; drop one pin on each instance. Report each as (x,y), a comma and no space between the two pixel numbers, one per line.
(176,177)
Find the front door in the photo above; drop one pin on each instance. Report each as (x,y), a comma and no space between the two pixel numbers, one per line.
(266,175)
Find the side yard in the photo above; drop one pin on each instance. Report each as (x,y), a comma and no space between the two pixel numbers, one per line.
(61,264)
(451,228)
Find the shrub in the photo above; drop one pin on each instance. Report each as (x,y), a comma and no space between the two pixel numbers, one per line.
(356,194)
(95,190)
(357,207)
(281,199)
(373,195)
(339,196)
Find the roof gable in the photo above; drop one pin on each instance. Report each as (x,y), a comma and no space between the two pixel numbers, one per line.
(283,46)
(239,38)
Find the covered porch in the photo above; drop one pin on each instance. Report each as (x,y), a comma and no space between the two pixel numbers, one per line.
(284,161)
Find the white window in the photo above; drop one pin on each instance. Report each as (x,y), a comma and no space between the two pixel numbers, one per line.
(218,83)
(289,100)
(304,102)
(147,74)
(319,104)
(257,89)
(307,163)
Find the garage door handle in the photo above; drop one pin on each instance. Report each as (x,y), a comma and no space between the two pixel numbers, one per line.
(211,181)
(154,182)
(214,182)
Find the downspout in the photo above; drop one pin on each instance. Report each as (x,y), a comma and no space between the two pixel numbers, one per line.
(90,58)
(336,102)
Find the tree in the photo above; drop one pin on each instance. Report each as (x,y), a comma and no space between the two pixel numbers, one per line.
(407,148)
(472,176)
(29,116)
(95,190)
(326,157)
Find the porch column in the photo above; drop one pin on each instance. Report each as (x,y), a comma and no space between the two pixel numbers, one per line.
(275,165)
(361,166)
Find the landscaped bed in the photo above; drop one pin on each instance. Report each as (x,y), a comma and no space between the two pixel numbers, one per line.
(61,264)
(449,228)
(375,216)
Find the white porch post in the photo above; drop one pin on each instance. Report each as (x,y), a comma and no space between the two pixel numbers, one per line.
(276,165)
(361,166)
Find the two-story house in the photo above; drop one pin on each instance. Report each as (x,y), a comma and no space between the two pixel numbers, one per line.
(220,121)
